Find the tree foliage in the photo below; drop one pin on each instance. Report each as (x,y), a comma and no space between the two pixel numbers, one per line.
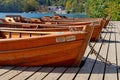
(93,8)
(18,5)
(101,8)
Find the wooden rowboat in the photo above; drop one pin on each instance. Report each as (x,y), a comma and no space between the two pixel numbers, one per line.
(99,24)
(57,19)
(57,27)
(22,31)
(45,49)
(49,28)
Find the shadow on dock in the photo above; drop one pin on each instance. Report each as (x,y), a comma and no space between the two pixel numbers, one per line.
(111,41)
(98,68)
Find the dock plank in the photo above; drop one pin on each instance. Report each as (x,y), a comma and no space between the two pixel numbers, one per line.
(118,52)
(41,73)
(86,70)
(111,73)
(98,70)
(69,74)
(12,73)
(55,73)
(5,69)
(26,73)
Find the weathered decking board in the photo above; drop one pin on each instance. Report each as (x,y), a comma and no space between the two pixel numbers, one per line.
(98,70)
(110,71)
(93,69)
(117,37)
(86,72)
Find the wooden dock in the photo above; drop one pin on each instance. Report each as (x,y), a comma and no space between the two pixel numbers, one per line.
(105,65)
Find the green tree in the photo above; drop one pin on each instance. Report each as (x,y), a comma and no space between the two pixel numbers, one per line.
(101,8)
(29,5)
(114,10)
(19,5)
(93,8)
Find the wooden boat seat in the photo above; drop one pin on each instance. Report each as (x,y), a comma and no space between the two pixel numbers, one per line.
(46,18)
(58,17)
(33,20)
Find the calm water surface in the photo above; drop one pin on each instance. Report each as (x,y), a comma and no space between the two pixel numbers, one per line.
(39,15)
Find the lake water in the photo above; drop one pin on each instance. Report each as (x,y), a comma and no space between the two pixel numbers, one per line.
(39,15)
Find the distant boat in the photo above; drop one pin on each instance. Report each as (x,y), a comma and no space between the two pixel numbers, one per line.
(99,23)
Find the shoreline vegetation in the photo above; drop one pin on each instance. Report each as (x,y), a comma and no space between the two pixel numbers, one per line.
(92,8)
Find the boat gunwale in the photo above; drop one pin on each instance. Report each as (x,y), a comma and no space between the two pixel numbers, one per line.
(57,34)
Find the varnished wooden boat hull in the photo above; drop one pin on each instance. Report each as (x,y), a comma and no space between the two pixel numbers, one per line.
(69,22)
(54,50)
(99,23)
(45,55)
(45,51)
